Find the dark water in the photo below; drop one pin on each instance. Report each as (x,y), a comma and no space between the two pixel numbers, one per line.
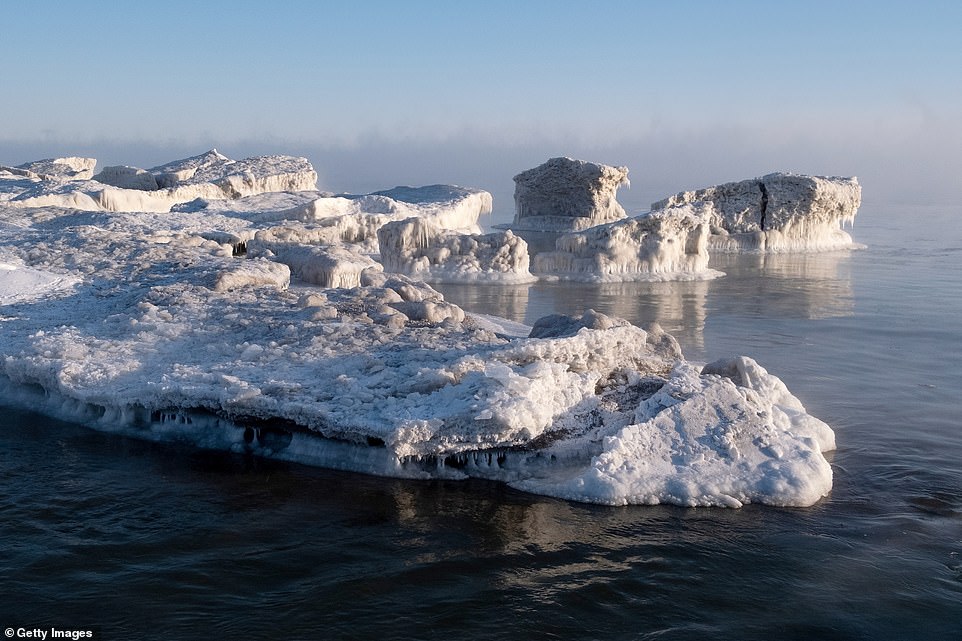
(145,541)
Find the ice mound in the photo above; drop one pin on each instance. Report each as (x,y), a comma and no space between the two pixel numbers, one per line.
(779,212)
(127,177)
(567,195)
(313,218)
(179,171)
(330,265)
(447,206)
(203,327)
(418,247)
(210,176)
(665,245)
(728,435)
(69,168)
(253,273)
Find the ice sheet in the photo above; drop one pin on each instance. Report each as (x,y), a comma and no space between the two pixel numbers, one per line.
(163,326)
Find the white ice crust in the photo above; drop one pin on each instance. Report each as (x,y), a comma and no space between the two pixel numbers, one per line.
(564,194)
(666,245)
(780,212)
(210,176)
(418,247)
(226,330)
(127,177)
(69,168)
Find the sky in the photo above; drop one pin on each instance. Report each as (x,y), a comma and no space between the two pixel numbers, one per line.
(376,94)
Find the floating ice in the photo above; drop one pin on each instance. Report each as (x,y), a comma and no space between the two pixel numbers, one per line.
(567,195)
(417,247)
(666,245)
(201,326)
(777,213)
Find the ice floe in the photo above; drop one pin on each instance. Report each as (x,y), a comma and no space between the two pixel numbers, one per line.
(226,324)
(779,212)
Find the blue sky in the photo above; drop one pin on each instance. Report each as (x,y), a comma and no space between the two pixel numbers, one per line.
(379,93)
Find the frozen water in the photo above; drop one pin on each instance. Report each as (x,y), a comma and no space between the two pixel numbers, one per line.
(210,176)
(417,247)
(227,329)
(777,213)
(564,194)
(667,245)
(127,177)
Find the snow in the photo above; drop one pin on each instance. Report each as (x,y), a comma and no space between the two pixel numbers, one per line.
(19,283)
(564,194)
(667,245)
(779,212)
(417,247)
(224,326)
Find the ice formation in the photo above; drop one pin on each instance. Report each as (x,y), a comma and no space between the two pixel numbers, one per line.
(418,247)
(447,206)
(567,195)
(69,168)
(210,176)
(127,177)
(665,245)
(162,326)
(325,265)
(779,212)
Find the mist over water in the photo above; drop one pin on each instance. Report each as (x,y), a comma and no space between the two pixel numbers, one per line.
(141,540)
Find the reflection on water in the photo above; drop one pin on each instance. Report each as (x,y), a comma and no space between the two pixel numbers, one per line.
(800,286)
(792,286)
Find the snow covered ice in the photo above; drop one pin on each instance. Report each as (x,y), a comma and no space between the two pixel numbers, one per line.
(666,245)
(226,325)
(210,176)
(777,213)
(564,194)
(417,247)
